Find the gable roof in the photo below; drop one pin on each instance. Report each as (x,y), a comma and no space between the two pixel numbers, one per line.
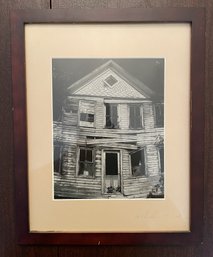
(112,65)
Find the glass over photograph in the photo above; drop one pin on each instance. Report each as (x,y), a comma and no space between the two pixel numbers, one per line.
(108,128)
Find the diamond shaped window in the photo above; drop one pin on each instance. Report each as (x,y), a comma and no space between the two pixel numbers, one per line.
(110,80)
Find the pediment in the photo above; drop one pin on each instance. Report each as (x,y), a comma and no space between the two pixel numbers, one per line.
(110,80)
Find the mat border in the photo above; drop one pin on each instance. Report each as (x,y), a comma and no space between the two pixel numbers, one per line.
(195,17)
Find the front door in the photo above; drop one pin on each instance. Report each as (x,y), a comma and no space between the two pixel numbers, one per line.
(112,172)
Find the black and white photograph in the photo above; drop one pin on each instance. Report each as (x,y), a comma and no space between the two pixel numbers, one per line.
(108,128)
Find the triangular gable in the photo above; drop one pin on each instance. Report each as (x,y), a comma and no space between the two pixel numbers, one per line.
(110,80)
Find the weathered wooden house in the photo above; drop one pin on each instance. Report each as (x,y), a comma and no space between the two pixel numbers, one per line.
(109,141)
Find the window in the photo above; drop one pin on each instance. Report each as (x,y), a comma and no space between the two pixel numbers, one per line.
(86,162)
(87,113)
(159,114)
(138,163)
(110,81)
(111,116)
(87,117)
(135,117)
(161,159)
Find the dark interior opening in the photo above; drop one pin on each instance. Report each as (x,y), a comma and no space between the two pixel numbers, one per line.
(138,163)
(57,159)
(86,165)
(111,164)
(161,151)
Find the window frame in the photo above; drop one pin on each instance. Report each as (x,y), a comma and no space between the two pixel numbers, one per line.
(107,83)
(145,163)
(141,115)
(79,114)
(111,104)
(78,161)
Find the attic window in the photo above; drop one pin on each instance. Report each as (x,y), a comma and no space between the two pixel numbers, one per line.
(110,80)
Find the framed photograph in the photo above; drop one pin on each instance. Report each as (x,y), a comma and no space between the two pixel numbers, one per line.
(108,125)
(108,131)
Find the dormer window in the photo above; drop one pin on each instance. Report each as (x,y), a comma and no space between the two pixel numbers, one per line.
(110,81)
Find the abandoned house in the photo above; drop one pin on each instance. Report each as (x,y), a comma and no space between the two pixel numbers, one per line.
(109,141)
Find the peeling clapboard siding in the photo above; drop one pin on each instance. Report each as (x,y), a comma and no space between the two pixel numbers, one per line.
(70,112)
(69,160)
(65,185)
(152,162)
(99,111)
(125,163)
(57,131)
(76,131)
(148,116)
(139,186)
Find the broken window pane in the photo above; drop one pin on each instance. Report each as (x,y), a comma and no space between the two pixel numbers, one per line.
(82,154)
(86,164)
(90,117)
(89,155)
(87,113)
(87,117)
(138,163)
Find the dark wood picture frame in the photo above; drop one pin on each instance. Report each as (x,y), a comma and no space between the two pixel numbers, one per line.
(193,16)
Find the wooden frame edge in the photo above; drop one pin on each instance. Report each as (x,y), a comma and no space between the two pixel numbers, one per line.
(195,16)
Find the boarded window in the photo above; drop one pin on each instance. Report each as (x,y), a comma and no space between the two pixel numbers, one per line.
(159,114)
(138,163)
(87,113)
(161,159)
(86,162)
(135,117)
(111,115)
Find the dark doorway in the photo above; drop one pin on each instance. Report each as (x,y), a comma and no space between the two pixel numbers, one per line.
(111,164)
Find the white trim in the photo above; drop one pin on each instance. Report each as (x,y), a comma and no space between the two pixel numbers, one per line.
(119,162)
